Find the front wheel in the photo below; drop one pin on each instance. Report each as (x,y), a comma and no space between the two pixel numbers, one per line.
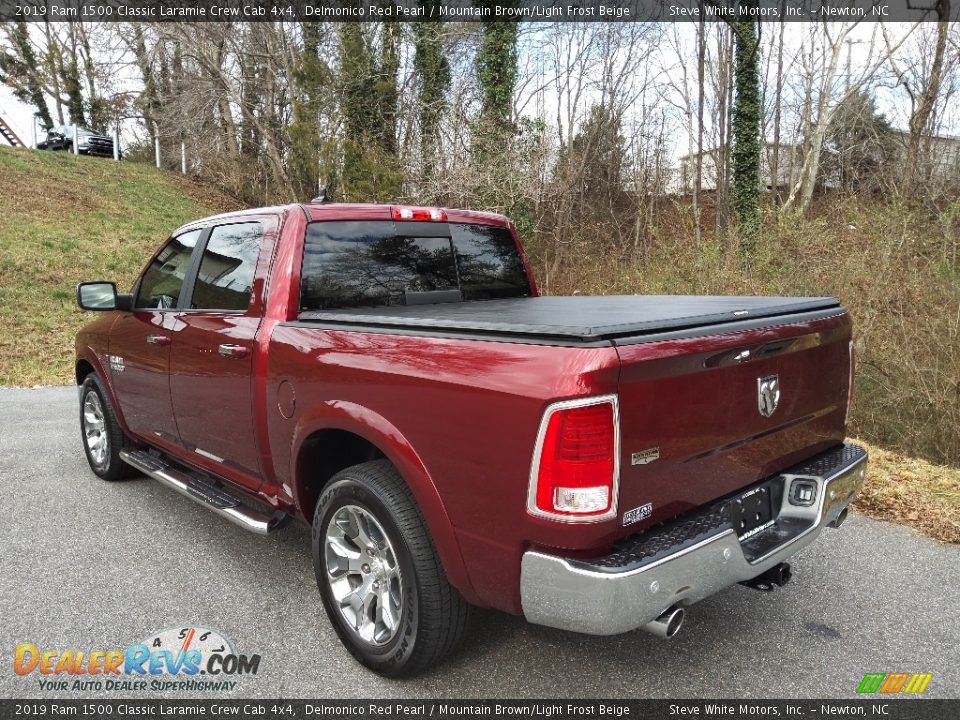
(381,582)
(102,435)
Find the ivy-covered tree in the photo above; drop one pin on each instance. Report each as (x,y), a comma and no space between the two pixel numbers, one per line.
(497,73)
(386,86)
(368,103)
(98,107)
(747,114)
(495,65)
(70,79)
(312,81)
(433,70)
(19,70)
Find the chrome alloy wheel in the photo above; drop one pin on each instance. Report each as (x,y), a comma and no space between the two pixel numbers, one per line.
(95,428)
(364,574)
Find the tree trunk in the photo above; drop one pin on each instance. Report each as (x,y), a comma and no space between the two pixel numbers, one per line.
(802,193)
(70,74)
(698,181)
(747,113)
(387,90)
(434,70)
(777,110)
(98,108)
(724,92)
(22,71)
(927,98)
(54,62)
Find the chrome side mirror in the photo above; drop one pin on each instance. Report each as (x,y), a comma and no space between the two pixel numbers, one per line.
(101,295)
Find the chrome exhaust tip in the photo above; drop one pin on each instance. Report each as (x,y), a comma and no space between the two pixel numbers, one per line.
(668,624)
(840,519)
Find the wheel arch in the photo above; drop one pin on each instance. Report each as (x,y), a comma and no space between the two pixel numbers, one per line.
(337,435)
(83,368)
(89,363)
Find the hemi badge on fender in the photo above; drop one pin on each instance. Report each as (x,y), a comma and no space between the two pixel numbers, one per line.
(645,456)
(637,514)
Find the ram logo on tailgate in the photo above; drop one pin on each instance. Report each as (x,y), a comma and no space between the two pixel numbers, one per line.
(768,394)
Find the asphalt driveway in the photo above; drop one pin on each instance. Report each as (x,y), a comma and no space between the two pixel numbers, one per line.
(86,564)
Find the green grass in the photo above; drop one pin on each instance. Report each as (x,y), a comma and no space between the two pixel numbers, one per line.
(913,492)
(67,219)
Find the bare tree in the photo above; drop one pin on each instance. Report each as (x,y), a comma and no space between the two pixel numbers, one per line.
(827,95)
(698,180)
(921,74)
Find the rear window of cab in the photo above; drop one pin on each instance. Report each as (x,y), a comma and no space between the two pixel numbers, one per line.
(376,263)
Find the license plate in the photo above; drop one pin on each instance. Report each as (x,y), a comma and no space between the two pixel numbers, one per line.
(751,511)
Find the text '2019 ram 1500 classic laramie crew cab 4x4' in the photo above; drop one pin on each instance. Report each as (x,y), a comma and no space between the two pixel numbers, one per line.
(390,375)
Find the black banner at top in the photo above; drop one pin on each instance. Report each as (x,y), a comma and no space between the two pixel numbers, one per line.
(477,10)
(342,709)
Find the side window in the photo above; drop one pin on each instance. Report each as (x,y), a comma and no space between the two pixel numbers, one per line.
(226,272)
(163,280)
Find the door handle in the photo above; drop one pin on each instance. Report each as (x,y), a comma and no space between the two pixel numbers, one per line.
(158,339)
(234,351)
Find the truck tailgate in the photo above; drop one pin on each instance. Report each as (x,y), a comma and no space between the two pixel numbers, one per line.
(694,426)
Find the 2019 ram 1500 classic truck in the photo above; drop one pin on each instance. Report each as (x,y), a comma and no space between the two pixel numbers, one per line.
(389,375)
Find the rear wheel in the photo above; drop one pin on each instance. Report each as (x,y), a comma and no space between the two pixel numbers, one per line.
(381,582)
(102,435)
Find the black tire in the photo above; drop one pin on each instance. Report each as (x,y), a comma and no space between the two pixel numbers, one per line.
(433,616)
(107,464)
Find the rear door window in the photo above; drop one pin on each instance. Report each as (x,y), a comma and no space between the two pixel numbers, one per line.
(379,263)
(162,282)
(225,278)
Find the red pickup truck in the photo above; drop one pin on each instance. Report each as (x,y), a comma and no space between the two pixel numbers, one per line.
(389,375)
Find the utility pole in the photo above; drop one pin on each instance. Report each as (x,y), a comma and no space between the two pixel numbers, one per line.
(850,43)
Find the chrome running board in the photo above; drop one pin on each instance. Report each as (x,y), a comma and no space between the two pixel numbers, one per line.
(203,493)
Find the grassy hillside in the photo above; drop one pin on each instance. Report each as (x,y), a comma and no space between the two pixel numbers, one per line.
(67,219)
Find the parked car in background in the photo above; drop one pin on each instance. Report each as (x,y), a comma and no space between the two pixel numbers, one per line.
(88,142)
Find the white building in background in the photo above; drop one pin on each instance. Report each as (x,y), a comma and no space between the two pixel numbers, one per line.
(943,156)
(788,163)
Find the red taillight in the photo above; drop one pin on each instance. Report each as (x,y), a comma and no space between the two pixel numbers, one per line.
(574,473)
(405,212)
(851,384)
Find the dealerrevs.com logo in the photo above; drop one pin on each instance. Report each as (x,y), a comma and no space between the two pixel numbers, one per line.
(186,658)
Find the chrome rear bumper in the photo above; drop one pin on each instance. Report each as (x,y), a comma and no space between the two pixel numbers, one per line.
(688,560)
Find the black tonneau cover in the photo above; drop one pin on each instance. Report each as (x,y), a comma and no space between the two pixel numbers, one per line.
(575,318)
